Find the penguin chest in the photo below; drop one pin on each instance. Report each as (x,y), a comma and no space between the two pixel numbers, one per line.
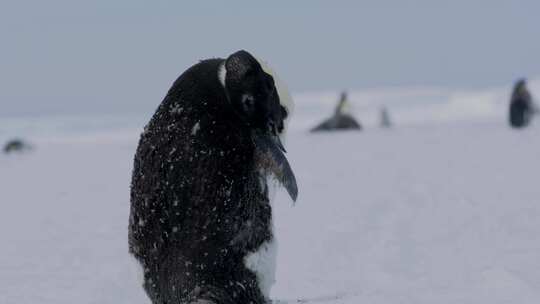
(262,263)
(262,260)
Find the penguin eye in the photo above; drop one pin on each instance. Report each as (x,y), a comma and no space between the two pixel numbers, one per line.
(248,102)
(272,127)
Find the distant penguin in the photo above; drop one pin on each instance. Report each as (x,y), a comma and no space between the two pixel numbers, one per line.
(522,107)
(341,120)
(201,218)
(16,145)
(385,122)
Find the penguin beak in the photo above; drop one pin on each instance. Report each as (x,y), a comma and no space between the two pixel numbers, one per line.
(270,152)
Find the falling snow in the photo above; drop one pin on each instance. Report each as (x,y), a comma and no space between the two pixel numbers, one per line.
(443,208)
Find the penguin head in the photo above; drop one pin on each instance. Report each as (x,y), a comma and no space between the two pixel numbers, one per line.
(253,95)
(256,99)
(521,84)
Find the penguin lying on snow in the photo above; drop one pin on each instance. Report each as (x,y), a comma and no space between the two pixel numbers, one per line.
(16,146)
(201,220)
(341,120)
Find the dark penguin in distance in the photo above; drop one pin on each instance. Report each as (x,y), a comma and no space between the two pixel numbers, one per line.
(385,121)
(16,145)
(201,221)
(341,120)
(522,107)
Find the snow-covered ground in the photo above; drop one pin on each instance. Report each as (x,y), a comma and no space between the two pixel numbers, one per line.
(443,208)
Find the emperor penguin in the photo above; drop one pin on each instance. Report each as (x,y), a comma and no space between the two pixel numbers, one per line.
(522,107)
(200,223)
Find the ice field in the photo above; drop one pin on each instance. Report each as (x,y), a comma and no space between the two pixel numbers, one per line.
(442,208)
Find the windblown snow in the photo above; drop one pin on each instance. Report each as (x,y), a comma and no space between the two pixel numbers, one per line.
(442,208)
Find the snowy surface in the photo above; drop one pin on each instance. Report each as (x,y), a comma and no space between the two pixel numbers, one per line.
(443,208)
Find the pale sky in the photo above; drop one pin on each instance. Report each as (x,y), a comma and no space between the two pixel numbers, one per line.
(104,56)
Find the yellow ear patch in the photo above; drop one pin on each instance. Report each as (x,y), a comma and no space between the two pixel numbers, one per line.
(283,92)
